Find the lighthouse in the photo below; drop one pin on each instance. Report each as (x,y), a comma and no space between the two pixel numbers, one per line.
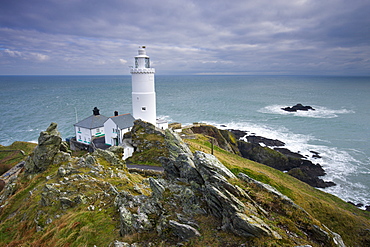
(143,90)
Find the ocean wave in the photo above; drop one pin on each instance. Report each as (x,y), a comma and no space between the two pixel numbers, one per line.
(166,118)
(338,164)
(319,112)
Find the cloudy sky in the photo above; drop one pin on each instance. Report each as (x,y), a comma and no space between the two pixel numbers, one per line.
(259,37)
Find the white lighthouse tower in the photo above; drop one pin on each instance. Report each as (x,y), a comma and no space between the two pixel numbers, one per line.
(143,91)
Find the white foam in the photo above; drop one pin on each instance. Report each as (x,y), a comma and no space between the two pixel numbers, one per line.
(165,117)
(319,112)
(338,164)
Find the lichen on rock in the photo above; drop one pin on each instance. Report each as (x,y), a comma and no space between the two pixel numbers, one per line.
(49,143)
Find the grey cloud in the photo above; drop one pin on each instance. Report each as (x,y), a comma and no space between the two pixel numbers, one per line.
(80,36)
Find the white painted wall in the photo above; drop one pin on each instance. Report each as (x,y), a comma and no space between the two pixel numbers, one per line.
(85,136)
(112,131)
(143,89)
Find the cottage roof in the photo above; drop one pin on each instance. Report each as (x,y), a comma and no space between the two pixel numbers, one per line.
(92,122)
(123,121)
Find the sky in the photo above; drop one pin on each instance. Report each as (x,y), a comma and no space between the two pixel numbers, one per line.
(185,37)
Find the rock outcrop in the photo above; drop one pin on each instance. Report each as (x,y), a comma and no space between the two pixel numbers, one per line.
(49,144)
(258,149)
(199,184)
(196,195)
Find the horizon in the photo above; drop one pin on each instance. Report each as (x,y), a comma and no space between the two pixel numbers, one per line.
(266,75)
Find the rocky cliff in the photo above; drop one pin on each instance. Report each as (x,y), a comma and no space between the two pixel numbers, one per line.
(64,200)
(279,158)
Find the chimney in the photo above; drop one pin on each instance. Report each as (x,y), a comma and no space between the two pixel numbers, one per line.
(96,111)
(115,113)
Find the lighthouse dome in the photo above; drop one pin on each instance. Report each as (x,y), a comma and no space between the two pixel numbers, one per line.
(142,50)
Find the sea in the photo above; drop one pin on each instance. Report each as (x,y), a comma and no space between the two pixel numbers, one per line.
(338,128)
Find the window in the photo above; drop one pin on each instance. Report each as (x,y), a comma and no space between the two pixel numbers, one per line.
(143,108)
(136,62)
(147,63)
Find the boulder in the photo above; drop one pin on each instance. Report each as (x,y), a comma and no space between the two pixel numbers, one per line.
(183,231)
(49,143)
(245,226)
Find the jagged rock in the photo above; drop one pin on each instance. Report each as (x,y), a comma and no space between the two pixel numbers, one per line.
(209,166)
(183,231)
(175,144)
(181,167)
(48,146)
(110,157)
(156,187)
(180,164)
(125,216)
(141,222)
(222,205)
(245,226)
(65,148)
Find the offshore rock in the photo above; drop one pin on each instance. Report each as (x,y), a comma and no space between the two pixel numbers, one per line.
(49,143)
(298,107)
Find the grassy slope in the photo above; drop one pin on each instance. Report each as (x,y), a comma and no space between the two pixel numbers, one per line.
(341,217)
(80,227)
(76,226)
(11,155)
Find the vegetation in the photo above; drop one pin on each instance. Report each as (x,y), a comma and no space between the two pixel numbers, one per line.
(13,154)
(26,219)
(341,217)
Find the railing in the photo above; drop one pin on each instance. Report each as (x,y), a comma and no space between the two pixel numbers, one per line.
(142,71)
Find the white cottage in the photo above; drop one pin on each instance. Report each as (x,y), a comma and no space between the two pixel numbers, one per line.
(116,126)
(90,127)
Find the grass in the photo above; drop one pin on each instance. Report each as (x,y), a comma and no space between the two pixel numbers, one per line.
(13,154)
(78,226)
(75,226)
(341,217)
